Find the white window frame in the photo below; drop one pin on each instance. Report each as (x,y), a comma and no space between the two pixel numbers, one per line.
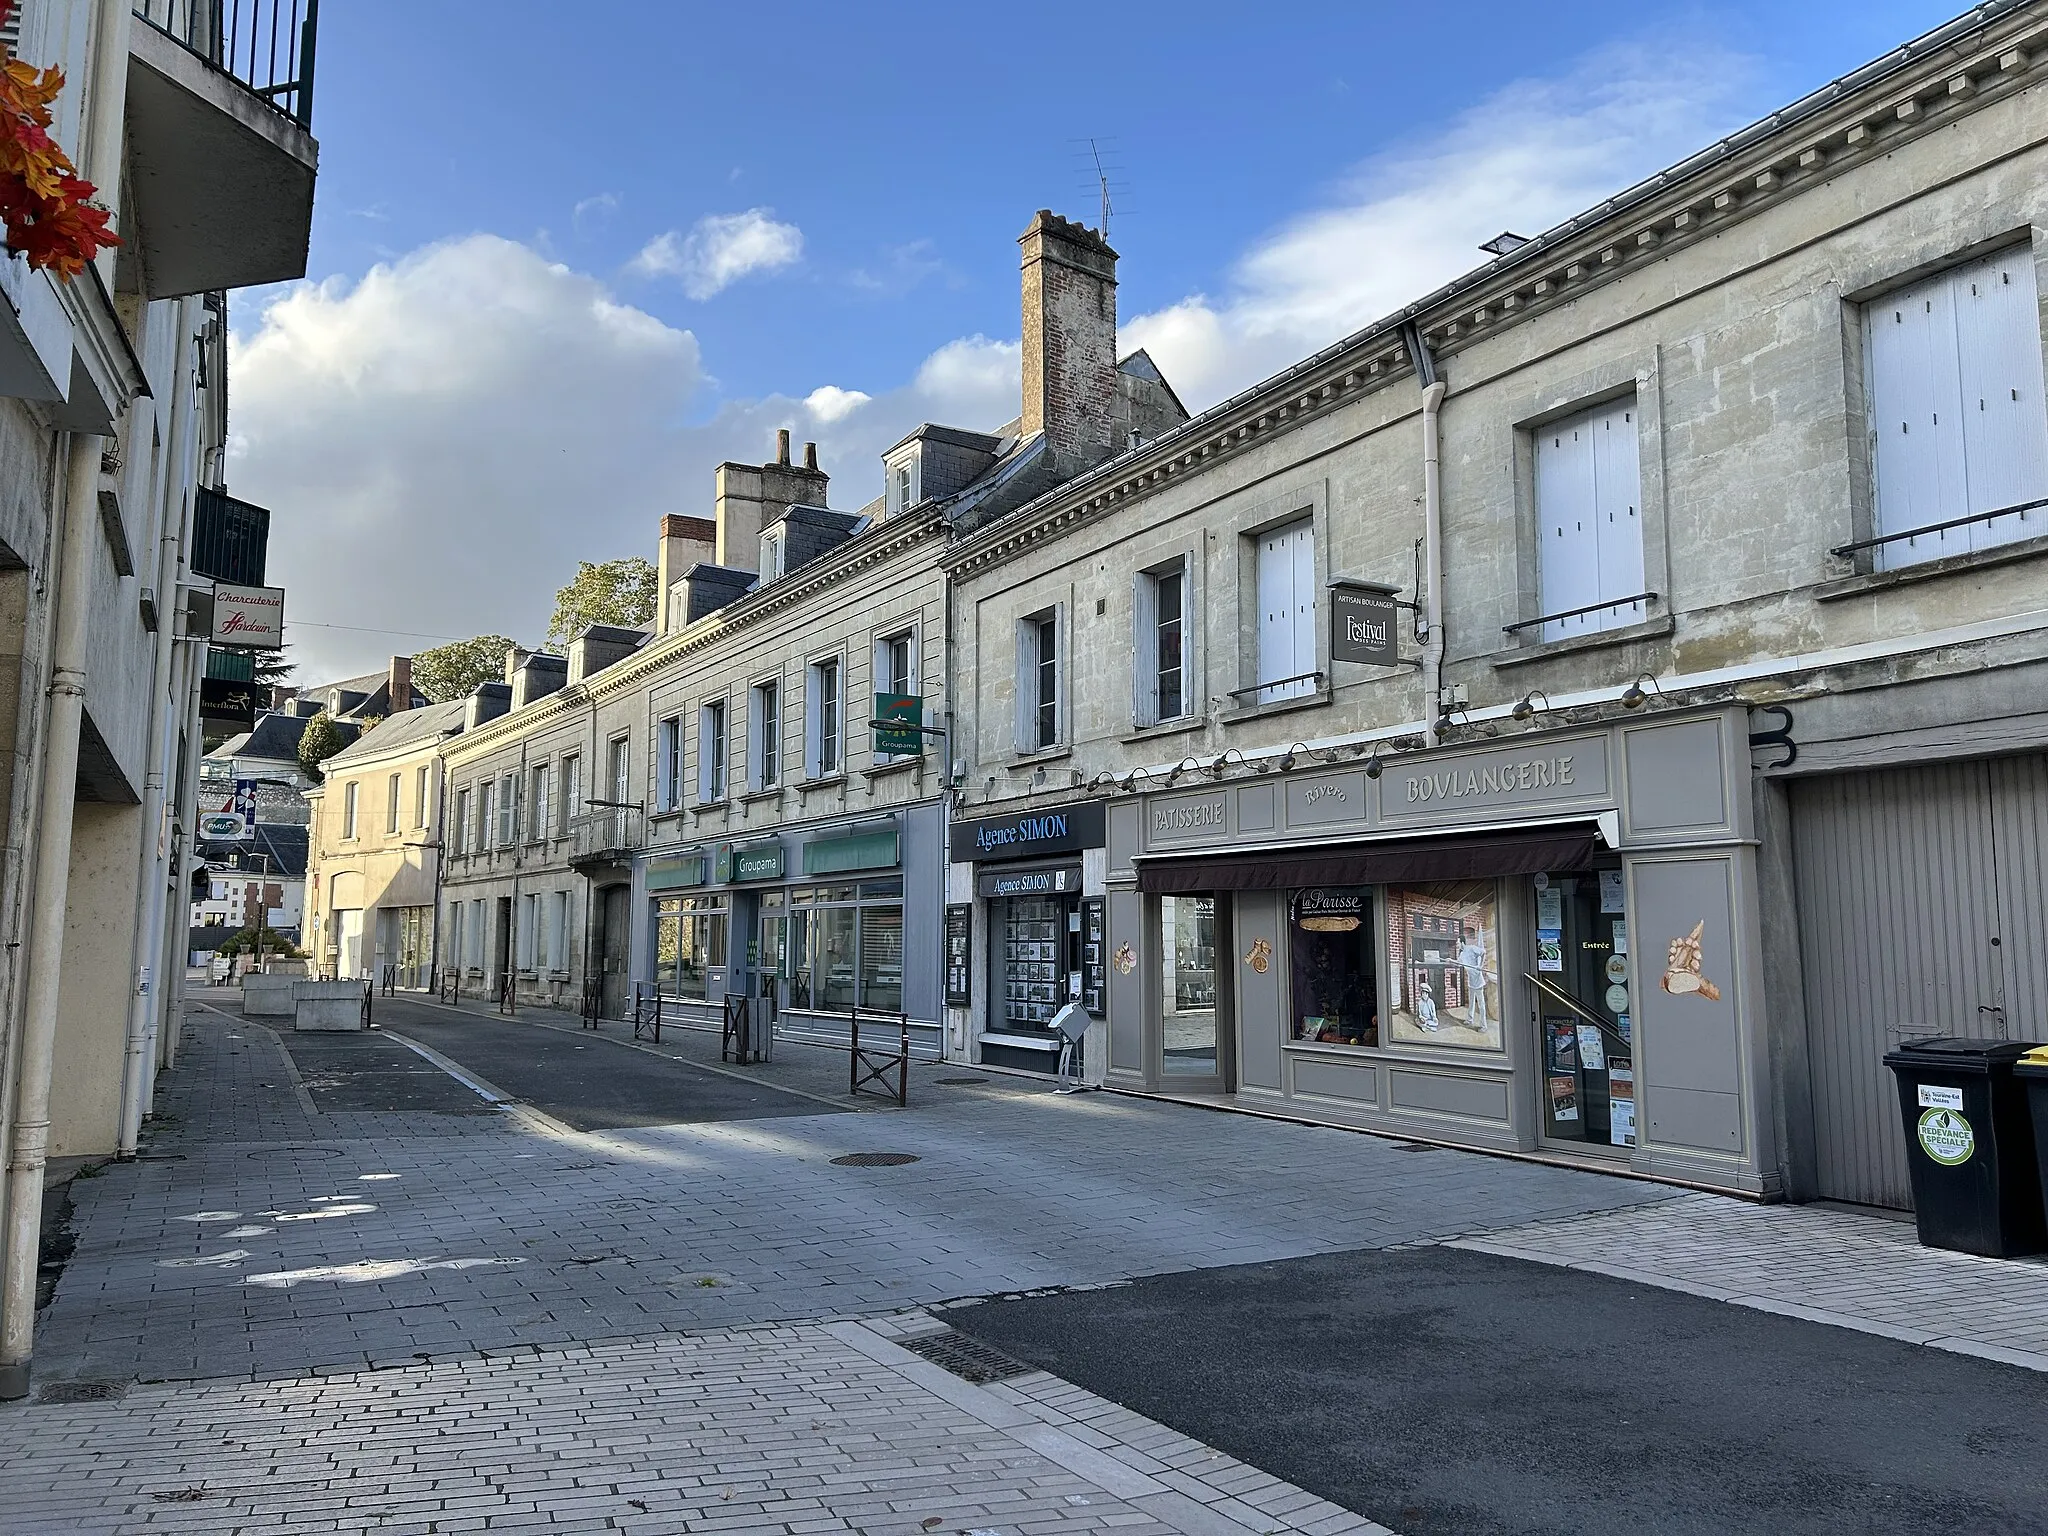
(558,931)
(714,748)
(486,815)
(348,810)
(461,827)
(668,763)
(772,554)
(1031,701)
(881,661)
(423,790)
(523,933)
(825,717)
(508,808)
(572,789)
(1286,660)
(764,734)
(392,809)
(538,805)
(904,475)
(1588,495)
(1146,637)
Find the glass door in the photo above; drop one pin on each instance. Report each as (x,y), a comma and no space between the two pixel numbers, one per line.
(1187,991)
(1582,988)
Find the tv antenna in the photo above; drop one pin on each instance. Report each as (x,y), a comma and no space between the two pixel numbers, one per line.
(1101,173)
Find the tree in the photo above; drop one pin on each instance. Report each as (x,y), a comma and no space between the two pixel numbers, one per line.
(271,669)
(320,740)
(449,671)
(617,592)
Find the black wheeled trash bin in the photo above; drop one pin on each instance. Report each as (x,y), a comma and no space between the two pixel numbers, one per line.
(1976,1187)
(2031,1071)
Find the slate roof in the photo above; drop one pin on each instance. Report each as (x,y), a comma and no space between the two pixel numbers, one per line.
(395,732)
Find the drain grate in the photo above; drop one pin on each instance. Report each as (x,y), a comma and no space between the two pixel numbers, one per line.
(969,1359)
(874,1160)
(960,1082)
(80,1392)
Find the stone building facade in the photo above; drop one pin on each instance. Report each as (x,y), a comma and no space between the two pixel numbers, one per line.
(1676,572)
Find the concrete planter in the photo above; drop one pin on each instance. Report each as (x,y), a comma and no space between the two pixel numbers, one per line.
(269,996)
(328,1005)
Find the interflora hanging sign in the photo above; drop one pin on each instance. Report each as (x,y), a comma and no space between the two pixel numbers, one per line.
(248,616)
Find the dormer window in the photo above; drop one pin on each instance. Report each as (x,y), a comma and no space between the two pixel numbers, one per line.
(904,491)
(771,555)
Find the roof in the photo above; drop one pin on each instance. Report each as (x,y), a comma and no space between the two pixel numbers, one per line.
(273,739)
(410,728)
(959,437)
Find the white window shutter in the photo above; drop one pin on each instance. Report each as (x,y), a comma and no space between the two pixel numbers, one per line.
(1286,596)
(2005,427)
(1304,607)
(1617,512)
(1915,409)
(1567,542)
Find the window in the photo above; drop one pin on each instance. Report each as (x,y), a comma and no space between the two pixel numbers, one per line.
(1331,940)
(572,789)
(903,487)
(844,946)
(391,807)
(668,763)
(455,932)
(689,942)
(1589,531)
(422,782)
(487,798)
(1038,682)
(765,760)
(895,673)
(348,811)
(473,937)
(1187,946)
(1287,613)
(711,751)
(1957,419)
(558,932)
(821,719)
(461,827)
(1161,644)
(1443,965)
(771,556)
(537,805)
(508,809)
(620,784)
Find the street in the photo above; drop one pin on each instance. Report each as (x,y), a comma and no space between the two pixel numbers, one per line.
(372,1298)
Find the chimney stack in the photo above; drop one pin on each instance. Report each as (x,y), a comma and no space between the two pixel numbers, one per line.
(1069,339)
(811,457)
(750,498)
(401,684)
(515,658)
(685,541)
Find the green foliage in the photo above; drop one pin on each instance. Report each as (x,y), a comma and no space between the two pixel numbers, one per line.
(320,740)
(274,943)
(616,592)
(452,670)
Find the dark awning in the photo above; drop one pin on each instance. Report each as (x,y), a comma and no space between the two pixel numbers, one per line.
(1394,861)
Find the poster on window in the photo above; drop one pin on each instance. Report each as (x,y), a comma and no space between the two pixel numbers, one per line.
(1443,951)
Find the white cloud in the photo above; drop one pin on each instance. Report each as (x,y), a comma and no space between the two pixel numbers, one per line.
(828,402)
(719,250)
(1411,219)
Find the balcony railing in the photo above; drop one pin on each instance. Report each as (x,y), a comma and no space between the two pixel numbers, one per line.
(607,836)
(267,45)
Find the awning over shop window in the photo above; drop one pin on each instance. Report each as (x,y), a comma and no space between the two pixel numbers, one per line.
(1393,861)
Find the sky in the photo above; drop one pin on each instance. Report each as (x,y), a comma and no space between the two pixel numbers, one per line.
(557,277)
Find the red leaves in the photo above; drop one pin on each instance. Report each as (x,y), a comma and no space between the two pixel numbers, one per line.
(45,204)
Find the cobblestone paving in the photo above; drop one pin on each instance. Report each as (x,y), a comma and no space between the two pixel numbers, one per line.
(1825,1265)
(809,1428)
(355,1243)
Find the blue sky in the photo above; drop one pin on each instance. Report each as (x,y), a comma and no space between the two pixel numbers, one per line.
(554,280)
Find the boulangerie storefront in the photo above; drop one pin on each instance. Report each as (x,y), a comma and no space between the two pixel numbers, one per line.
(1546,943)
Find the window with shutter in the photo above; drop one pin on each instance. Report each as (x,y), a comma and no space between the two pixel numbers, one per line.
(1590,569)
(1287,613)
(1957,419)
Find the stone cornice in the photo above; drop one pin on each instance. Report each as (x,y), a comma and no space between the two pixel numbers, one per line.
(878,545)
(1992,52)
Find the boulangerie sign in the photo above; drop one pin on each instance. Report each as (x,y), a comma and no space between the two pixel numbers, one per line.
(248,616)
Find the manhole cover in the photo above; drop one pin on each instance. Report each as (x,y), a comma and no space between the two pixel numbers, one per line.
(960,1082)
(80,1392)
(969,1359)
(873,1160)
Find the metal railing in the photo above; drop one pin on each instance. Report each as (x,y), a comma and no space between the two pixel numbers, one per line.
(1573,613)
(1909,535)
(871,1064)
(265,45)
(595,835)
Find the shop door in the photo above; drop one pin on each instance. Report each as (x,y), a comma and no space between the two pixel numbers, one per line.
(614,945)
(1190,1042)
(350,923)
(1583,984)
(1921,911)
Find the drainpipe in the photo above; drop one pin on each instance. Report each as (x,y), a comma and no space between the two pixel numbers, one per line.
(1433,390)
(149,893)
(29,1152)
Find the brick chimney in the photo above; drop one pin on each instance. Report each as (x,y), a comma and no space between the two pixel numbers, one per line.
(751,498)
(1069,339)
(685,541)
(401,684)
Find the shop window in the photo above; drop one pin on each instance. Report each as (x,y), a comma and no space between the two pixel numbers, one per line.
(881,958)
(1956,409)
(842,946)
(1331,962)
(1443,960)
(1030,960)
(689,943)
(1584,987)
(1187,945)
(1589,533)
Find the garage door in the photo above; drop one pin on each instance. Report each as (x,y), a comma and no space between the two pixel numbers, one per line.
(1921,910)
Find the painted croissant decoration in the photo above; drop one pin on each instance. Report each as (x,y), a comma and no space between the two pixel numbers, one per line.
(1682,968)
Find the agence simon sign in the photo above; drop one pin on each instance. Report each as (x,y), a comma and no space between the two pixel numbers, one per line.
(1061,829)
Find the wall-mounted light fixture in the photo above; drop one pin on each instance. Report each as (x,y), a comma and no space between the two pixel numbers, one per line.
(1374,767)
(1526,708)
(1222,761)
(1181,767)
(1633,696)
(1288,759)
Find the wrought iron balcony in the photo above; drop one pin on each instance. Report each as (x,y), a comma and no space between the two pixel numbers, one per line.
(610,836)
(267,45)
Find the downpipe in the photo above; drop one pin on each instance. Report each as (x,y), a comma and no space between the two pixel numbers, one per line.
(1432,559)
(28,1153)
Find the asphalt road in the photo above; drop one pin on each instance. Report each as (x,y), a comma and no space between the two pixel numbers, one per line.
(1437,1390)
(375,1072)
(591,1083)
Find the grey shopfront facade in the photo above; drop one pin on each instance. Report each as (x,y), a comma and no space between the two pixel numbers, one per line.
(1546,944)
(812,920)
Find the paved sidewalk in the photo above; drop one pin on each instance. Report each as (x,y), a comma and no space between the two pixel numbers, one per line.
(808,1429)
(1824,1265)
